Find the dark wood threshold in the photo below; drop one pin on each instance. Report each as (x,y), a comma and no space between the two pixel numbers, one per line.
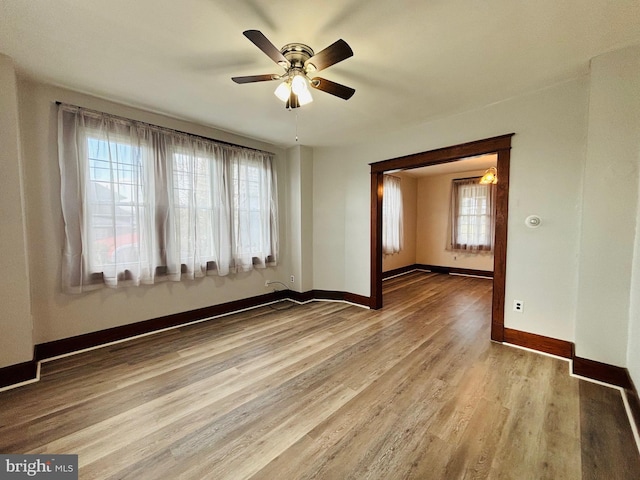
(553,346)
(21,372)
(602,372)
(437,269)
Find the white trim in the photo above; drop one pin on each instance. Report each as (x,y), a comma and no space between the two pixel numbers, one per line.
(513,345)
(405,273)
(328,300)
(470,275)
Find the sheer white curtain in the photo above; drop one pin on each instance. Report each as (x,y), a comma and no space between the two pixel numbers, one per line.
(254,242)
(143,204)
(392,236)
(472,215)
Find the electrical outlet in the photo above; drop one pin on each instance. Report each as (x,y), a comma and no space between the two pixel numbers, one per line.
(293,279)
(518,306)
(266,283)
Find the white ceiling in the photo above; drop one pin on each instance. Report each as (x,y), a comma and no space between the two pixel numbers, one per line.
(413,60)
(481,162)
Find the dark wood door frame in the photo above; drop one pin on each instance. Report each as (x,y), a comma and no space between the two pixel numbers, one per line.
(502,147)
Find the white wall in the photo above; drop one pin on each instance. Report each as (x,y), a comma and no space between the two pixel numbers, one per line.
(434,225)
(610,200)
(300,225)
(57,315)
(16,345)
(550,127)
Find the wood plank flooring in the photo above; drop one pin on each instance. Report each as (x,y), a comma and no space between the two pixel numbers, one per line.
(326,391)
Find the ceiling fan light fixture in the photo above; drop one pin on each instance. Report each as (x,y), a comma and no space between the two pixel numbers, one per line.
(299,61)
(490,177)
(283,91)
(298,84)
(292,102)
(305,97)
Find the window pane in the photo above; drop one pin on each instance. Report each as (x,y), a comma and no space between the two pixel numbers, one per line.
(473,216)
(116,205)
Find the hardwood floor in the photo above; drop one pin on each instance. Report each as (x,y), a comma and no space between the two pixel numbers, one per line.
(326,391)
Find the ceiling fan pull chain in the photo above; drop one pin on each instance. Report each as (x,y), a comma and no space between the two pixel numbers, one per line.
(296,126)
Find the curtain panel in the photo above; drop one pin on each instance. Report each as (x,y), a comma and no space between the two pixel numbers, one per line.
(473,207)
(392,215)
(143,203)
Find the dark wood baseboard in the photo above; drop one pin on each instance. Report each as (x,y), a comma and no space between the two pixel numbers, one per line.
(94,339)
(454,270)
(328,295)
(584,367)
(343,296)
(22,372)
(553,346)
(437,269)
(18,373)
(357,299)
(399,271)
(602,372)
(300,297)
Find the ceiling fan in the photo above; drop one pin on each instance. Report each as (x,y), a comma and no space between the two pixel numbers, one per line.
(300,63)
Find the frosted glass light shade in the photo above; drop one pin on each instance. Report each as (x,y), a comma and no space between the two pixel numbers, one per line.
(298,84)
(283,91)
(305,97)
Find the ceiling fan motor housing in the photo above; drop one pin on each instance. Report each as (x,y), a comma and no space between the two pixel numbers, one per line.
(297,54)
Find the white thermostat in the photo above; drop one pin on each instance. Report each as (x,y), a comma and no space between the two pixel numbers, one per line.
(533,221)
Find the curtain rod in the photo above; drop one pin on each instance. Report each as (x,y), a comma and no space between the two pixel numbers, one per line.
(167,128)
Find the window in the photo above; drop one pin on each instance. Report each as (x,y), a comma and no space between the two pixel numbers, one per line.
(143,204)
(472,215)
(392,237)
(116,205)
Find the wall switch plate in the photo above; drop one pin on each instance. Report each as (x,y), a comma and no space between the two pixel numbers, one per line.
(518,306)
(266,283)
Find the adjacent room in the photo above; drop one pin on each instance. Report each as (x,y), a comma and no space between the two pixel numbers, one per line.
(340,239)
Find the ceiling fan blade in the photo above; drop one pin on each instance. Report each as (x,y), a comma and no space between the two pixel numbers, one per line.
(263,43)
(334,53)
(256,78)
(333,88)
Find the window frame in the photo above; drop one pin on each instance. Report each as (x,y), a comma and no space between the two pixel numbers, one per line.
(487,211)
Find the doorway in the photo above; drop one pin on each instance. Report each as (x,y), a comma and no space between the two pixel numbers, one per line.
(501,146)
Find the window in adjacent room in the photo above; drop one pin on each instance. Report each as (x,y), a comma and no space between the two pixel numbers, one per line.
(472,215)
(392,236)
